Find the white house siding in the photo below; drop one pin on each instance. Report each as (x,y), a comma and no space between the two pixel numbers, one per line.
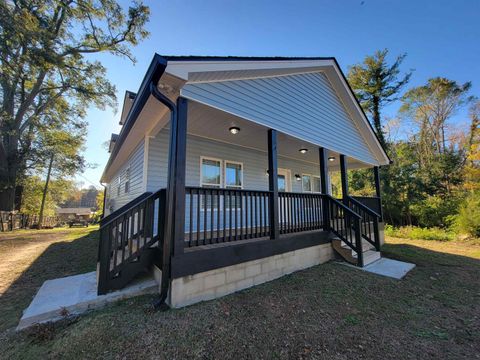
(135,162)
(302,105)
(255,163)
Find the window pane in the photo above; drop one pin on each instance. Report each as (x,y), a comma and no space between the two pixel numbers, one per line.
(281,183)
(233,175)
(307,184)
(316,184)
(210,172)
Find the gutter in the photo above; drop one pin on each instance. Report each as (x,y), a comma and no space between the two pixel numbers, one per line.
(168,224)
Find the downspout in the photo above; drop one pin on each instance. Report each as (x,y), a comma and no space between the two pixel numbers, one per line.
(167,238)
(104,199)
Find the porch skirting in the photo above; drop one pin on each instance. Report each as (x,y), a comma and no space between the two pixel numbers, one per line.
(219,282)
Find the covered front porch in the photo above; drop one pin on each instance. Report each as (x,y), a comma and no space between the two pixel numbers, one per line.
(236,192)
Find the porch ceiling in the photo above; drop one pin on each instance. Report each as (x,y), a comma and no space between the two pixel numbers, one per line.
(214,124)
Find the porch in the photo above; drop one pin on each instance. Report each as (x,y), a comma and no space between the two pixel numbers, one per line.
(186,230)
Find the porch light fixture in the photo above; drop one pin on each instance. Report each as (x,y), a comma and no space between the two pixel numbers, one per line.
(303,151)
(298,177)
(331,158)
(234,130)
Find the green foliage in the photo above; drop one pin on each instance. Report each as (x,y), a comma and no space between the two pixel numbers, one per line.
(413,232)
(32,195)
(435,211)
(376,83)
(468,218)
(47,77)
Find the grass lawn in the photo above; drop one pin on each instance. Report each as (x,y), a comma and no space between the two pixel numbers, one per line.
(329,311)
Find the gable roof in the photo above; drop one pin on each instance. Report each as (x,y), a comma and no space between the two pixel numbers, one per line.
(221,68)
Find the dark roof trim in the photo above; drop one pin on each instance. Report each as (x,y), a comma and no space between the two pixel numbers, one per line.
(361,109)
(277,58)
(114,137)
(240,58)
(154,73)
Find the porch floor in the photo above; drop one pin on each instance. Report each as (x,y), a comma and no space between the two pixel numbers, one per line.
(76,294)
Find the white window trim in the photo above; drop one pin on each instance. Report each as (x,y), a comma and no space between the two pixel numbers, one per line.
(119,184)
(201,172)
(311,184)
(225,174)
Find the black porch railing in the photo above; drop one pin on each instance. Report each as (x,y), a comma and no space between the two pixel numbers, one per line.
(214,215)
(300,212)
(131,239)
(346,224)
(128,241)
(369,225)
(371,202)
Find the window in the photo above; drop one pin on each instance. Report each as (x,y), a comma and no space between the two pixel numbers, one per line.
(310,183)
(119,184)
(210,172)
(127,180)
(233,175)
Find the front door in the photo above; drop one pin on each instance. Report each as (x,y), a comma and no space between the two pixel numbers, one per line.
(284,180)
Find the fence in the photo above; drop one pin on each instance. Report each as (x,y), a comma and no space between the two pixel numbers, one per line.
(13,221)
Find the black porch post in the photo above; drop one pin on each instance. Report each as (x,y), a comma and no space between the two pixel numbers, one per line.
(344,177)
(376,175)
(175,197)
(322,157)
(273,183)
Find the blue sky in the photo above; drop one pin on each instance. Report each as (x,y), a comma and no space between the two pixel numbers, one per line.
(441,38)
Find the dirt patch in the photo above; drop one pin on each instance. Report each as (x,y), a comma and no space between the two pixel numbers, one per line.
(28,258)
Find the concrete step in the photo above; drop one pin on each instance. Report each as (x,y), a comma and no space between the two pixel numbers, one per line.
(369,256)
(369,253)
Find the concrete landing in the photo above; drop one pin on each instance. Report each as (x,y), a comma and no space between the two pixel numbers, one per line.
(387,267)
(76,294)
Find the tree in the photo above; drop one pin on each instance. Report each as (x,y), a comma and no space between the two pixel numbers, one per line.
(32,194)
(472,159)
(62,152)
(377,83)
(45,68)
(430,106)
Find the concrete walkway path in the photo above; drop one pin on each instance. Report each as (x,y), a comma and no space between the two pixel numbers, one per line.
(76,294)
(386,267)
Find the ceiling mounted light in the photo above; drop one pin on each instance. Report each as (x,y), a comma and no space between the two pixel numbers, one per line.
(331,158)
(234,130)
(303,151)
(298,177)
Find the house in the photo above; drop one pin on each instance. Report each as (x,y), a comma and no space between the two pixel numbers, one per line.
(75,213)
(220,177)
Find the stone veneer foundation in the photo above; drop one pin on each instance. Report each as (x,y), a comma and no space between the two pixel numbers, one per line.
(216,283)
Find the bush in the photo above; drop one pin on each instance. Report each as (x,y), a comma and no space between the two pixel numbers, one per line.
(434,211)
(468,218)
(413,232)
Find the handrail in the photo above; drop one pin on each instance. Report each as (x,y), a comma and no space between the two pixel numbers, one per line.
(226,189)
(131,204)
(346,224)
(364,207)
(127,240)
(369,218)
(124,208)
(343,206)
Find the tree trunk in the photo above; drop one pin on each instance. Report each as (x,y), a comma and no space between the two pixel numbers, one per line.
(44,195)
(377,122)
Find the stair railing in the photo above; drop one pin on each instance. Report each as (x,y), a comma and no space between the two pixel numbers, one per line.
(346,224)
(125,235)
(370,220)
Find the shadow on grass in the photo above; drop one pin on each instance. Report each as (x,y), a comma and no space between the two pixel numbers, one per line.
(60,259)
